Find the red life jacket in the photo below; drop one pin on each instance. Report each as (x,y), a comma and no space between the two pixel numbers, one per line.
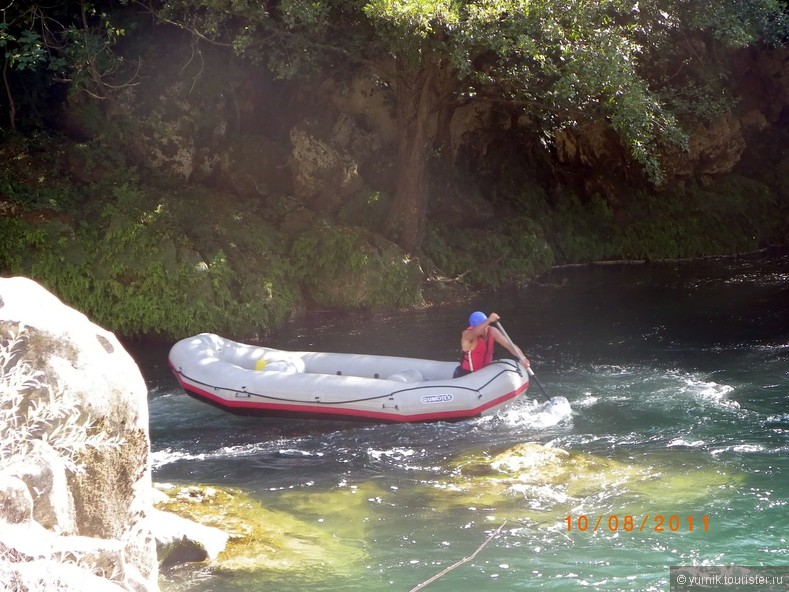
(481,355)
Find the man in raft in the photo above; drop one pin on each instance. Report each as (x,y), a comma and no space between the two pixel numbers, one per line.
(478,342)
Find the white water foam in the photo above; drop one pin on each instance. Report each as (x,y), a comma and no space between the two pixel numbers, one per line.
(682,443)
(537,415)
(778,418)
(619,383)
(298,453)
(168,456)
(587,401)
(739,448)
(396,454)
(711,391)
(665,384)
(759,279)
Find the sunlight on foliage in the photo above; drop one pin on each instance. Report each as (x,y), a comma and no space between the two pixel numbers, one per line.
(420,17)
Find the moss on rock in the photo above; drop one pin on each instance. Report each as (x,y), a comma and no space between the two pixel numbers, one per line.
(264,539)
(536,482)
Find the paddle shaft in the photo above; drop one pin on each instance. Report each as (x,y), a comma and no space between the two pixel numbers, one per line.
(528,368)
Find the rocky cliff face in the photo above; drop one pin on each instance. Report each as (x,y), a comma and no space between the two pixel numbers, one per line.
(75,481)
(335,142)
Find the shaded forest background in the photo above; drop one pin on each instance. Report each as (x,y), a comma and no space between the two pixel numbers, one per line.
(221,166)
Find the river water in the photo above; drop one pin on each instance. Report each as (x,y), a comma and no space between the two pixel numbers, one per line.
(675,452)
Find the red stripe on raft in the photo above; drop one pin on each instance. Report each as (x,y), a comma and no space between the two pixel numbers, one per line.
(341,411)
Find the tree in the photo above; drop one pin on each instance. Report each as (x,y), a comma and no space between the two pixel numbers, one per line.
(58,42)
(561,61)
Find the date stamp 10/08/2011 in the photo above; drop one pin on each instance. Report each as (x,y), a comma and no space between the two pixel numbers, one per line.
(631,523)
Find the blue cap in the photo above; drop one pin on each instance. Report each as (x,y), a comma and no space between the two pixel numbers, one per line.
(477,318)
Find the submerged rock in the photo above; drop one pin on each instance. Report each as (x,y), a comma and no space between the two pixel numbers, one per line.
(263,539)
(179,540)
(532,481)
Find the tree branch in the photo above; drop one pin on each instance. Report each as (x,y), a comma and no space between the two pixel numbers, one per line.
(442,573)
(11,103)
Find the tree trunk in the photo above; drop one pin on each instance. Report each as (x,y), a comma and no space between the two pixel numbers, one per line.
(419,95)
(11,103)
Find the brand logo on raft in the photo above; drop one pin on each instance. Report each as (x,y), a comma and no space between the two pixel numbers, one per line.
(444,398)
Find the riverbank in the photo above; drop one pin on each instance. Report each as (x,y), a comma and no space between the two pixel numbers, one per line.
(144,257)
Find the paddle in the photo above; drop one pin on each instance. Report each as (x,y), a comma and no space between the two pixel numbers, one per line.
(528,368)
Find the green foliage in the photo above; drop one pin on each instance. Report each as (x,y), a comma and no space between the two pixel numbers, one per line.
(567,65)
(562,63)
(685,47)
(350,268)
(139,259)
(14,233)
(509,253)
(582,232)
(48,174)
(24,162)
(24,50)
(697,101)
(86,52)
(142,275)
(47,44)
(366,209)
(736,215)
(741,23)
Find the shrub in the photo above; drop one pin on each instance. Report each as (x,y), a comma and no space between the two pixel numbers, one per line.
(350,267)
(507,254)
(735,215)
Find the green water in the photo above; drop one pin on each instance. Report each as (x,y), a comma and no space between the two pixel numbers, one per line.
(678,380)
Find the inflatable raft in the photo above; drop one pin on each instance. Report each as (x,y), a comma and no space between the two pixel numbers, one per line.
(251,379)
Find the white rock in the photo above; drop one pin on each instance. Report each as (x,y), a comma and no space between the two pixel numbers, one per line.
(16,503)
(179,540)
(96,375)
